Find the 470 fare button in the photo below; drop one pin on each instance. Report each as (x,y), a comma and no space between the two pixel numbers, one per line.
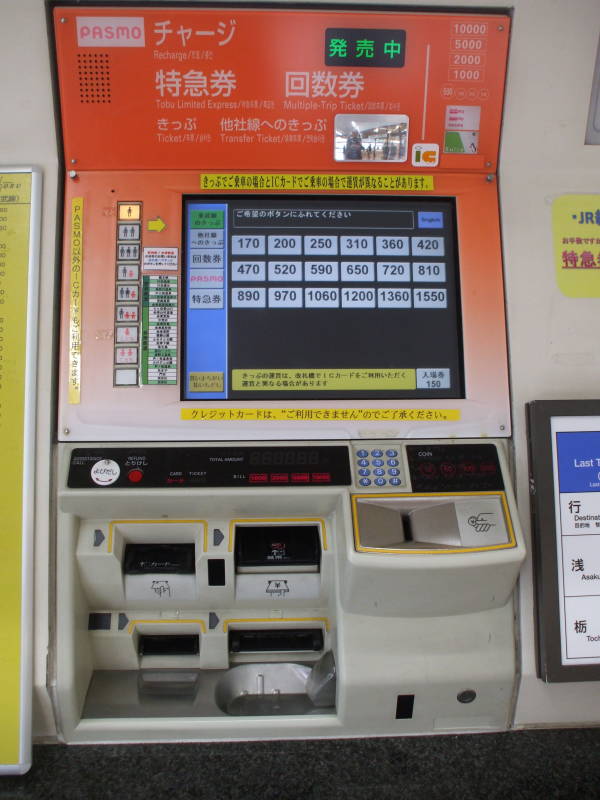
(106,472)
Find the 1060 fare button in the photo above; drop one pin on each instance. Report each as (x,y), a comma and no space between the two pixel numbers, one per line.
(105,472)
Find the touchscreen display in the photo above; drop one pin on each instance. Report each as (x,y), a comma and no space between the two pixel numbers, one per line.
(304,298)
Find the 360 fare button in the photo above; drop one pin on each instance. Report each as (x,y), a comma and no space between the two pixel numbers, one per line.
(106,472)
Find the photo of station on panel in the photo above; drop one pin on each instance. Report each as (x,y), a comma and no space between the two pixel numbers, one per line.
(336,297)
(368,137)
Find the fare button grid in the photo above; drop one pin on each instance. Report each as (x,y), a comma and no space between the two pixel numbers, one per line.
(335,244)
(321,270)
(337,297)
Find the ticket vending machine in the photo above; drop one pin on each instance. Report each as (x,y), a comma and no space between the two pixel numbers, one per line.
(283,507)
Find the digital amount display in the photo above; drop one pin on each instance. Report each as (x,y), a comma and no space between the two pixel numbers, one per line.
(283,458)
(330,297)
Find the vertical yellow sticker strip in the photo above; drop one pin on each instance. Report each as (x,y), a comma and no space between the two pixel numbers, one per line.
(15,215)
(75,289)
(576,238)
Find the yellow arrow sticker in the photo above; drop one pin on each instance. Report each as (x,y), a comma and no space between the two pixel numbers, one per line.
(156,225)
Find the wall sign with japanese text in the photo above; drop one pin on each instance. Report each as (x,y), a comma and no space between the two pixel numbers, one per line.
(565,482)
(576,236)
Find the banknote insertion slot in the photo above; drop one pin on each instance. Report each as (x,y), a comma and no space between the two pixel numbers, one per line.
(273,548)
(151,558)
(282,640)
(187,644)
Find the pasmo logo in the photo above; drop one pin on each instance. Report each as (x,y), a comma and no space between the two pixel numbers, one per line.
(110,32)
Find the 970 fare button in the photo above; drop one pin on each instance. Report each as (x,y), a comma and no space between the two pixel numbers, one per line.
(105,473)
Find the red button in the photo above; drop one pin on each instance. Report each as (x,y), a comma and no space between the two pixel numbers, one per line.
(427,469)
(300,477)
(258,477)
(448,470)
(135,475)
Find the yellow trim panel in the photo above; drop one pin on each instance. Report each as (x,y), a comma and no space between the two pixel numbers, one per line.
(275,621)
(455,551)
(111,526)
(134,622)
(279,521)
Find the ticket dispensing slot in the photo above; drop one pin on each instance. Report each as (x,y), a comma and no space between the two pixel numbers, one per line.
(145,563)
(278,560)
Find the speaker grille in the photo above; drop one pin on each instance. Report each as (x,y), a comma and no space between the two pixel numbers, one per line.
(94,77)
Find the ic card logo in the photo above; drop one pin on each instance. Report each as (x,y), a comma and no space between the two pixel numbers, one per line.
(425,154)
(110,32)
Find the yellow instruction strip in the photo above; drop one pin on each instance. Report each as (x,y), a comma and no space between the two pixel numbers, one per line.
(316,182)
(75,289)
(15,216)
(302,380)
(320,414)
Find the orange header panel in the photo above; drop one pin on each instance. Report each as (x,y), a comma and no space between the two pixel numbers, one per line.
(172,88)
